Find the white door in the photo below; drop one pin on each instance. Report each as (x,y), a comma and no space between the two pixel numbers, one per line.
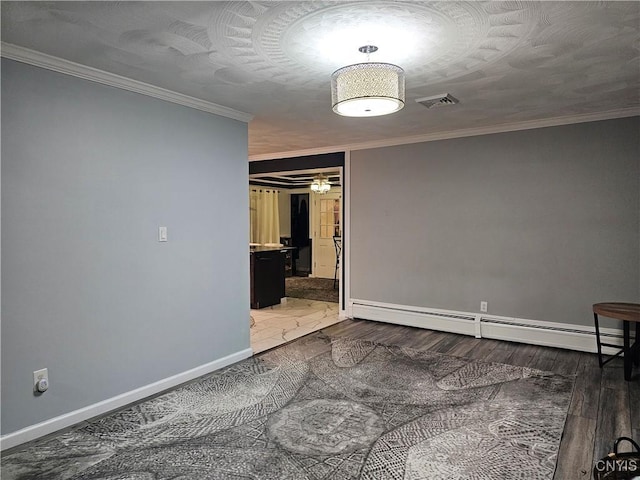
(326,226)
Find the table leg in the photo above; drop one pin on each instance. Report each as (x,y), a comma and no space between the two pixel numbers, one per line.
(628,354)
(595,319)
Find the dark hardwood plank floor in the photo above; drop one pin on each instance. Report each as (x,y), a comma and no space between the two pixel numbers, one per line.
(603,407)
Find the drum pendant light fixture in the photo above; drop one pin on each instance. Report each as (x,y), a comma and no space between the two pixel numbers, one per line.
(367,89)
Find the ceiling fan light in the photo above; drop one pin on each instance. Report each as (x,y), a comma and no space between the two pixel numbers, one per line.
(367,89)
(320,185)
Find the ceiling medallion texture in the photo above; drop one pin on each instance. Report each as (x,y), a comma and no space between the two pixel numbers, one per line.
(287,42)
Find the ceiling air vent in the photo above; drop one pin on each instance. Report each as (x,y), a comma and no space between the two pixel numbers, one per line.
(438,100)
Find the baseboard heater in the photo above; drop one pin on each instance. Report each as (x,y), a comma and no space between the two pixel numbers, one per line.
(445,321)
(535,332)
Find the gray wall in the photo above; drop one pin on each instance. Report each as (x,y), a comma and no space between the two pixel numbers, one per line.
(539,223)
(89,172)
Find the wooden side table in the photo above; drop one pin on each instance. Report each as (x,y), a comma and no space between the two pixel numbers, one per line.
(627,312)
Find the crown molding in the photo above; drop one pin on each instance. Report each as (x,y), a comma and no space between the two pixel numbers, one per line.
(43,60)
(467,132)
(60,65)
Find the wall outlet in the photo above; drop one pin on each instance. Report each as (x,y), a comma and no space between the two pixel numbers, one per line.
(162,234)
(484,306)
(40,380)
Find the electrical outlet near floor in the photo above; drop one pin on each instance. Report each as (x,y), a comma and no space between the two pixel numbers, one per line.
(40,380)
(484,306)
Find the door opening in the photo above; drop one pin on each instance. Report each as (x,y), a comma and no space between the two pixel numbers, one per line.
(300,234)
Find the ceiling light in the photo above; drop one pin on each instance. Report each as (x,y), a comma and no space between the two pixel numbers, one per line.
(320,185)
(367,89)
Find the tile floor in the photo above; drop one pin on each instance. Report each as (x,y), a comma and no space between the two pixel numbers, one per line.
(293,318)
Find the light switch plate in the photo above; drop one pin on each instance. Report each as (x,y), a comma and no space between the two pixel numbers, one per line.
(162,234)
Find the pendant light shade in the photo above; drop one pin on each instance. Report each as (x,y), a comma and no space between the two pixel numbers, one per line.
(367,89)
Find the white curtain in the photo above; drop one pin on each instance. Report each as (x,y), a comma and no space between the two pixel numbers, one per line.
(265,217)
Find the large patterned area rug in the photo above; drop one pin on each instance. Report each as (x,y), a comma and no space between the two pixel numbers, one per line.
(311,288)
(319,408)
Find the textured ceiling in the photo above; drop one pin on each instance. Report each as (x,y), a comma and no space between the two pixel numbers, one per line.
(505,61)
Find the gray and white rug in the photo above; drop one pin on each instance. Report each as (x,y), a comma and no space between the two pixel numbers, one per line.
(319,408)
(311,288)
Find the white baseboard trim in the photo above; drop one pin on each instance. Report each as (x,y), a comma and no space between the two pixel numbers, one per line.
(52,425)
(535,332)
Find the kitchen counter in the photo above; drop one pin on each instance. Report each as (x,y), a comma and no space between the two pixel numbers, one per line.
(267,275)
(263,248)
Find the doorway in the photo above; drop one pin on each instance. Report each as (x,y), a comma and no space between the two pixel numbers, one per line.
(300,238)
(309,231)
(327,214)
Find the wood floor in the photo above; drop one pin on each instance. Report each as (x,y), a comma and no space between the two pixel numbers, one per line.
(603,407)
